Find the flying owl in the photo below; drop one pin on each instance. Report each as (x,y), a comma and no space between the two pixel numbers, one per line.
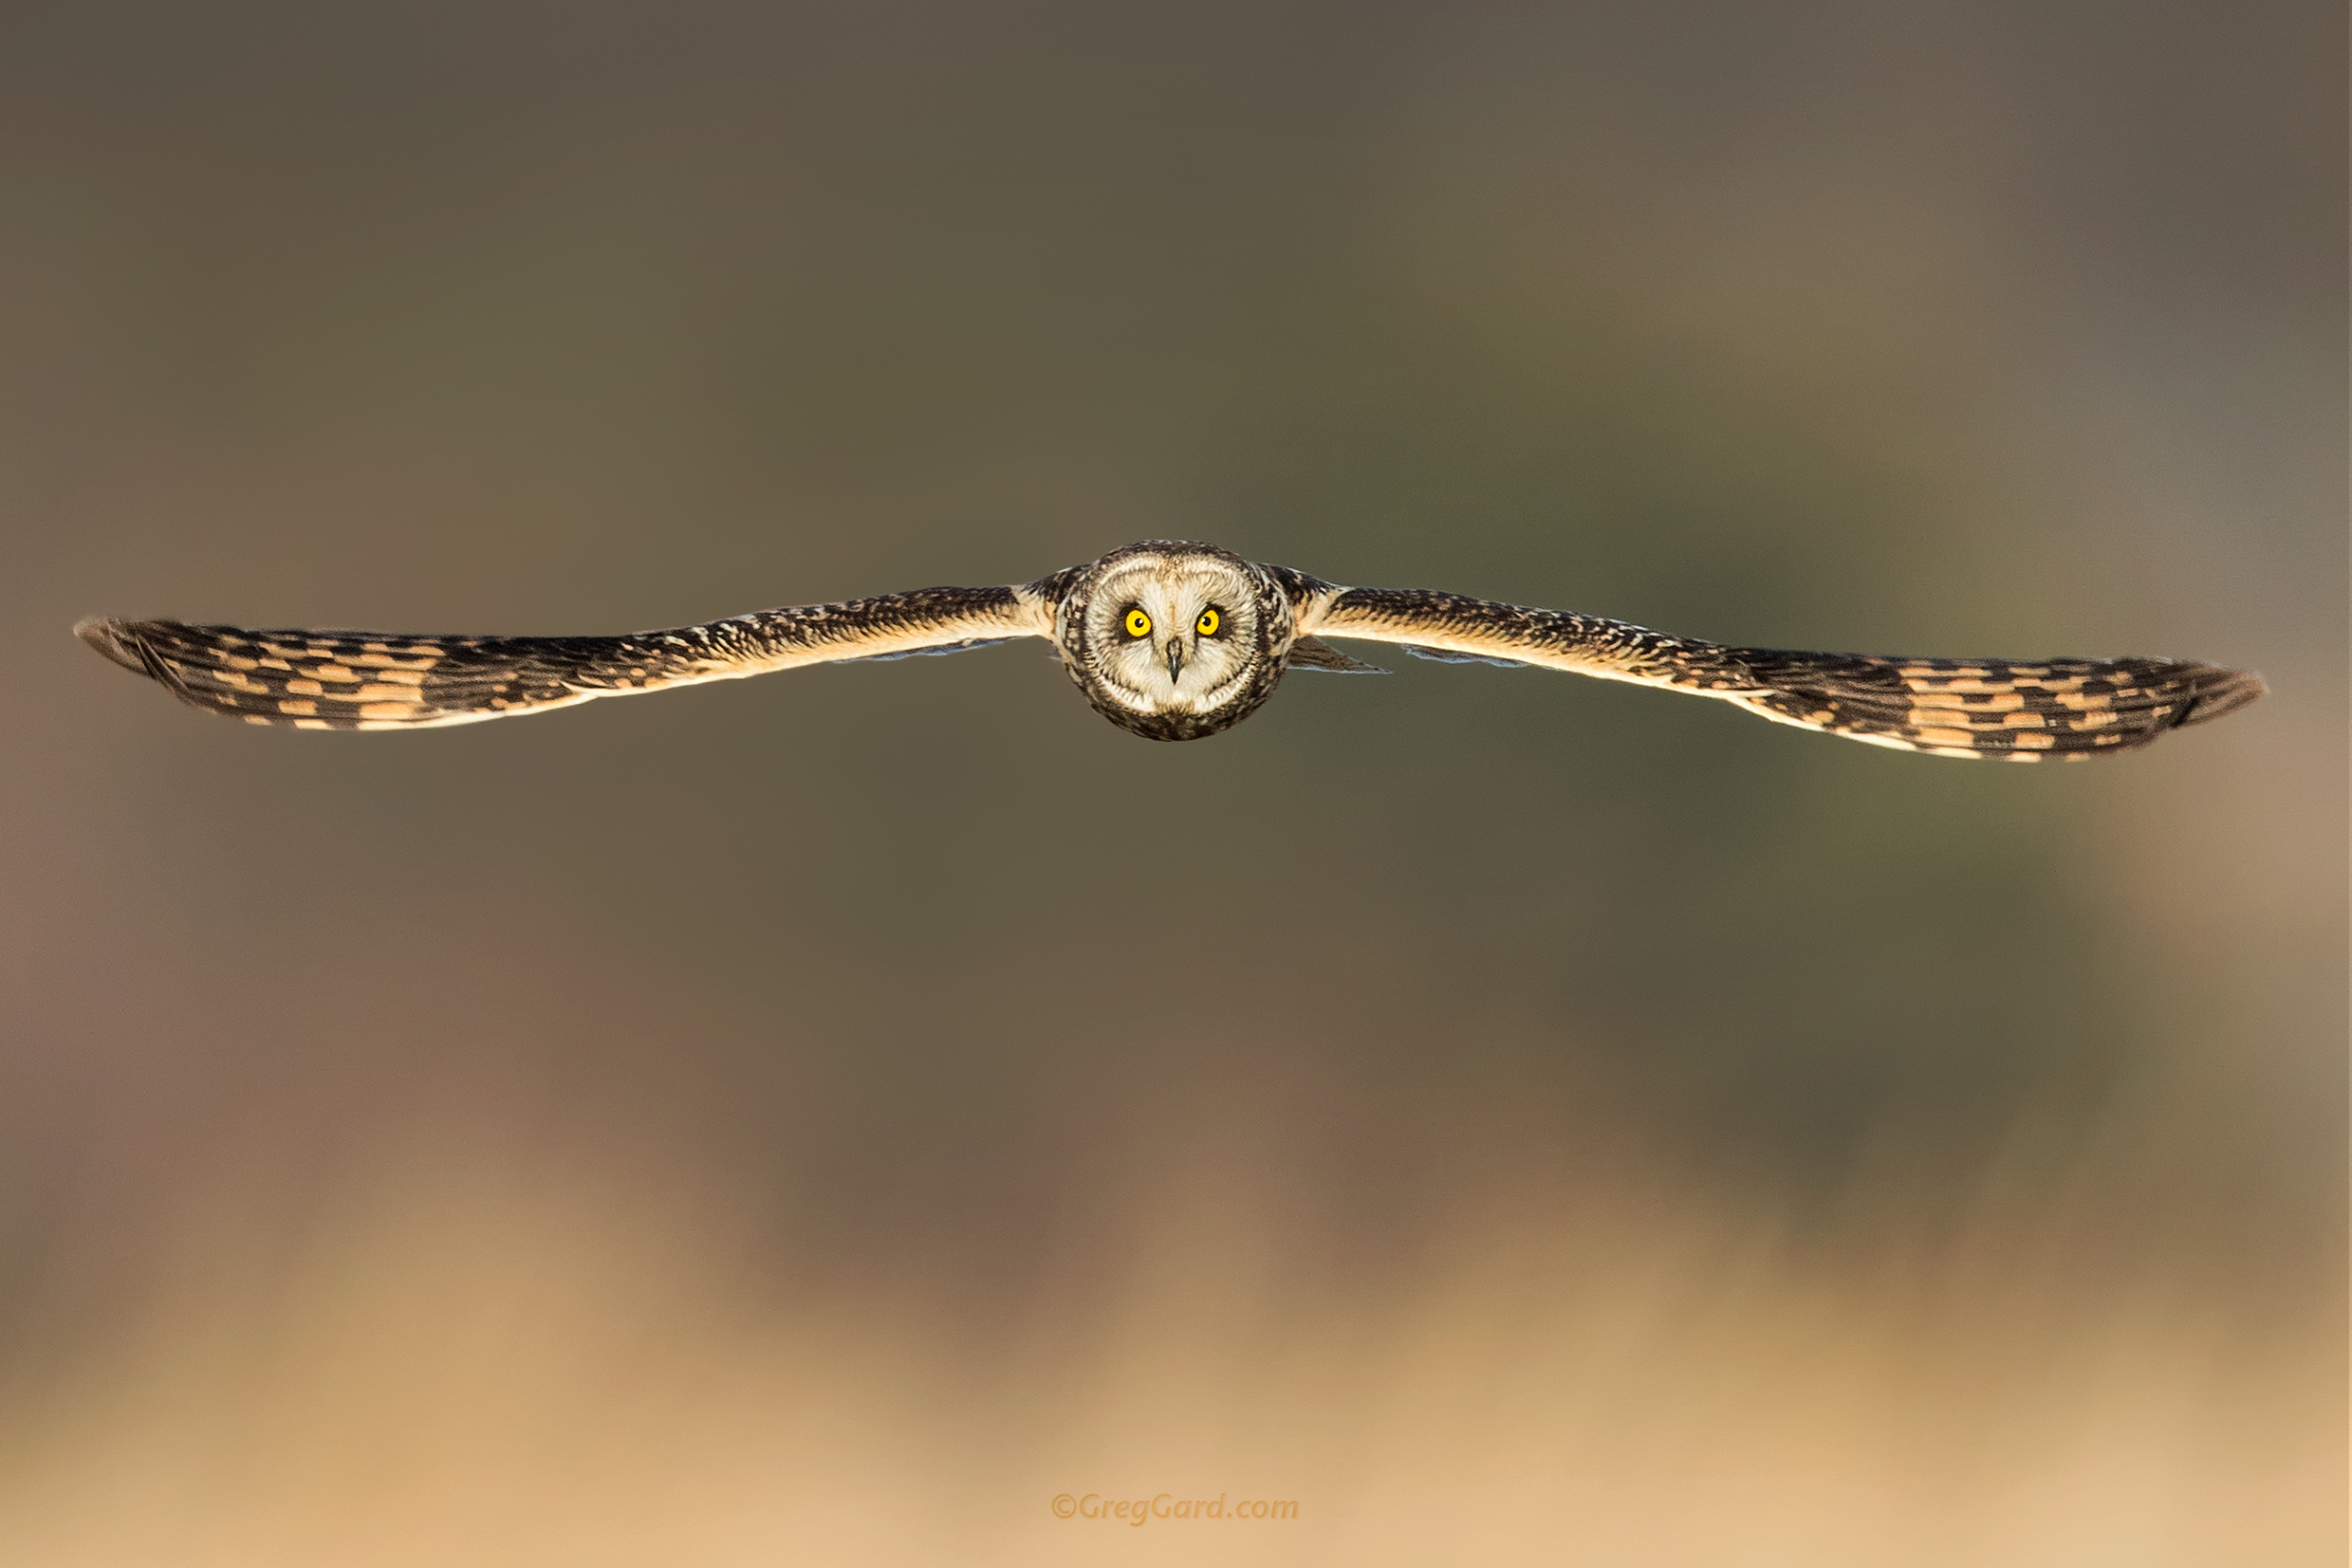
(1173,640)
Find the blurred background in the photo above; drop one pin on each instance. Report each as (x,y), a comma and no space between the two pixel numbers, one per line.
(1520,1119)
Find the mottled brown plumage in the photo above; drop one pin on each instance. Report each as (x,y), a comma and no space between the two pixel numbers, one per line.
(381,680)
(1175,640)
(2016,710)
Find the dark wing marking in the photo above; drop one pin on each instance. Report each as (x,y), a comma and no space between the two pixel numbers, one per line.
(376,680)
(1949,708)
(1314,654)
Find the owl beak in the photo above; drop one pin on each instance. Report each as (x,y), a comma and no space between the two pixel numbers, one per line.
(1175,659)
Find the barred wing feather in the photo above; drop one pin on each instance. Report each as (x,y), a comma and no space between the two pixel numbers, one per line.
(376,680)
(2023,710)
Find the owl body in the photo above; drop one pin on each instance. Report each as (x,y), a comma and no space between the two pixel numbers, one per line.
(1175,640)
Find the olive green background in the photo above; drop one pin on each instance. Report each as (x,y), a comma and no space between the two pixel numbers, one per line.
(1521,1119)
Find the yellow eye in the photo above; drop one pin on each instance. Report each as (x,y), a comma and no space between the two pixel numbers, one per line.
(1138,624)
(1208,623)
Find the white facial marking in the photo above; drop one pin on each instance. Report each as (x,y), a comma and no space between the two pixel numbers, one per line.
(1176,666)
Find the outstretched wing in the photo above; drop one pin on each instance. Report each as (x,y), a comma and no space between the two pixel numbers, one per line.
(376,680)
(2024,711)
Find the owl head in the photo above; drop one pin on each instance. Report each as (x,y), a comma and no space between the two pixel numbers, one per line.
(1175,640)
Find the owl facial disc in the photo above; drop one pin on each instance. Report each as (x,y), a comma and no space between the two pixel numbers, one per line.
(1175,640)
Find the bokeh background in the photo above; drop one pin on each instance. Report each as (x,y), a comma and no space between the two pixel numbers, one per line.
(1520,1119)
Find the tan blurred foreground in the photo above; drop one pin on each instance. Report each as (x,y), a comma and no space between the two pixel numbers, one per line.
(483,1367)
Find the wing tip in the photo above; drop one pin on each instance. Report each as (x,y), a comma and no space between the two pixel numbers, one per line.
(119,640)
(127,643)
(2215,693)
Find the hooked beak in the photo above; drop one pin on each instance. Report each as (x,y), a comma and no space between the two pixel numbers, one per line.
(1176,658)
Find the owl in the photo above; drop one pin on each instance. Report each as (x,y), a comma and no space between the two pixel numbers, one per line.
(1175,640)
